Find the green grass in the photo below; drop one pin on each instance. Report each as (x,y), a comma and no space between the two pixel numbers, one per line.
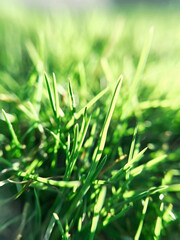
(89,126)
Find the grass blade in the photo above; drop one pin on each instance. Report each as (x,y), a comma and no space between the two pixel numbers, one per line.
(56,96)
(131,152)
(97,208)
(71,98)
(98,150)
(158,226)
(83,131)
(65,235)
(60,226)
(139,71)
(139,230)
(88,105)
(143,59)
(63,184)
(106,69)
(50,93)
(11,129)
(147,166)
(39,92)
(103,134)
(8,223)
(4,161)
(23,221)
(72,158)
(127,166)
(34,55)
(38,207)
(110,218)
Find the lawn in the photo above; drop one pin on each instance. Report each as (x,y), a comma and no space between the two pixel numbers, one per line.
(89,124)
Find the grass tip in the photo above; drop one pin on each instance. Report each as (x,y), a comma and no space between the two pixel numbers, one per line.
(55,216)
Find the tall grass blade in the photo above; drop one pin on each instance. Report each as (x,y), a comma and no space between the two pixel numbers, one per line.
(132,149)
(103,134)
(39,92)
(56,96)
(71,98)
(72,158)
(50,93)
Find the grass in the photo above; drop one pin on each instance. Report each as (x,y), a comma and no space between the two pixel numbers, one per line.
(89,127)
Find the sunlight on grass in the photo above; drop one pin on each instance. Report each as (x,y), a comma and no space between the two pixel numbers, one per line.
(89,124)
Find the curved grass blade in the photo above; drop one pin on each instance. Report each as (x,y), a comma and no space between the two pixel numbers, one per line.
(11,129)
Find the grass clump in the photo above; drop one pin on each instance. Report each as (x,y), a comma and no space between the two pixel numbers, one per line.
(85,156)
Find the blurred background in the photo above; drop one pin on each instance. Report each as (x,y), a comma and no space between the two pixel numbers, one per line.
(80,4)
